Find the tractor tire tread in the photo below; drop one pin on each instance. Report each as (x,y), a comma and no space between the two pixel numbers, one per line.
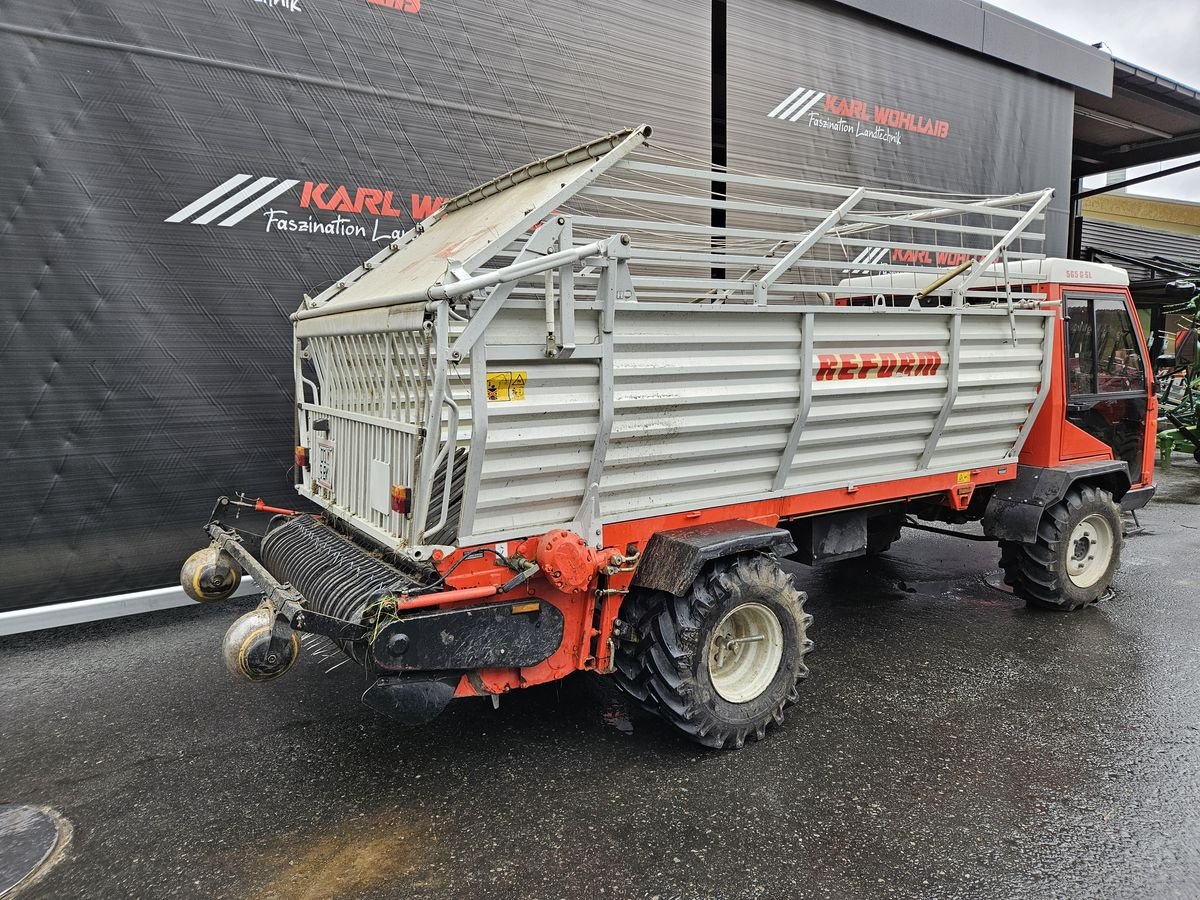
(1033,570)
(658,668)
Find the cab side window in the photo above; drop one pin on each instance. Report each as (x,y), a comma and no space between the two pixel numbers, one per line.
(1102,348)
(1119,364)
(1081,360)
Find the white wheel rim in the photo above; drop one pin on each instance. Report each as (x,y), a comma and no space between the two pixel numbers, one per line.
(744,652)
(1089,550)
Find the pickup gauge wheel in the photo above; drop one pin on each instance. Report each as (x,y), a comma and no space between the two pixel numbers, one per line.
(251,654)
(1077,551)
(210,575)
(721,662)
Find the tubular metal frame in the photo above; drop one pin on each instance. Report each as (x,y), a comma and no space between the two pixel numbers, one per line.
(388,365)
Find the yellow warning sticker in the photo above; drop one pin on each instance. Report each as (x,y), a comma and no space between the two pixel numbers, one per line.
(505,386)
(963,477)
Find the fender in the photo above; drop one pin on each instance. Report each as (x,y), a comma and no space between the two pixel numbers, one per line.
(1016,507)
(672,559)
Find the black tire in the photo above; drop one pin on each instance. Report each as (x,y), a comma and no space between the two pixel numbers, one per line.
(665,665)
(1040,572)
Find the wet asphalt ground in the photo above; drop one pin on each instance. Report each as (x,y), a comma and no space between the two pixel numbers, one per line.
(950,743)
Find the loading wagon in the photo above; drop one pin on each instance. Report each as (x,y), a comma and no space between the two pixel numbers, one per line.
(575,419)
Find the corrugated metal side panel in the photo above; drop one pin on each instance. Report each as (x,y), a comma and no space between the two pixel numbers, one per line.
(704,401)
(872,427)
(997,383)
(538,449)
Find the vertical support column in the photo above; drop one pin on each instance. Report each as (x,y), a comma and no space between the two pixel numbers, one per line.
(1075,221)
(954,352)
(479,432)
(433,423)
(614,282)
(806,391)
(566,293)
(719,119)
(301,418)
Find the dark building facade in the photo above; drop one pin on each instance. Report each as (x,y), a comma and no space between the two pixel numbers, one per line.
(174,177)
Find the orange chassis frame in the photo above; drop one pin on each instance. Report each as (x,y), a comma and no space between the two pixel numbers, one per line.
(589,617)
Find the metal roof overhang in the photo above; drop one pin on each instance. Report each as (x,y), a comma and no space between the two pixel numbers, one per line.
(1147,119)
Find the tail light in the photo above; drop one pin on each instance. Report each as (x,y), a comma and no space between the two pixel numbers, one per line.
(301,457)
(400,499)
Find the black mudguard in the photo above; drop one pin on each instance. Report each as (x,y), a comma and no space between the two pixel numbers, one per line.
(674,558)
(1016,506)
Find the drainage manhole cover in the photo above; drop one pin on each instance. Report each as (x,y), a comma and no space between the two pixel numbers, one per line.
(28,839)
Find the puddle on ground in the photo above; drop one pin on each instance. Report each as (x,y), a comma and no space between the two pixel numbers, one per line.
(615,714)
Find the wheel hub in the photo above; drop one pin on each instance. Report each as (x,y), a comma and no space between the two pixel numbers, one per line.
(1091,550)
(744,652)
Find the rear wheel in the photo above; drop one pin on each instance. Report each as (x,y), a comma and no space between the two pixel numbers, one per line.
(1077,552)
(721,662)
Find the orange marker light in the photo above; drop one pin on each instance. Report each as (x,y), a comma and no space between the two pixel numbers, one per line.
(301,457)
(400,499)
(518,608)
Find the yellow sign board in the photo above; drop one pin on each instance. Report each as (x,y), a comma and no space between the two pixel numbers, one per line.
(963,477)
(505,386)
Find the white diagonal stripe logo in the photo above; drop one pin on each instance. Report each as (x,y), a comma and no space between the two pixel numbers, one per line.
(807,106)
(800,101)
(883,251)
(862,254)
(259,202)
(797,103)
(244,200)
(873,258)
(196,205)
(240,197)
(870,256)
(804,98)
(786,103)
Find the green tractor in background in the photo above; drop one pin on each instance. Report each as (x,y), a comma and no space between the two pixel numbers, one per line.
(1178,379)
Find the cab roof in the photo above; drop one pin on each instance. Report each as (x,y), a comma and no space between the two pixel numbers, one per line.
(1024,272)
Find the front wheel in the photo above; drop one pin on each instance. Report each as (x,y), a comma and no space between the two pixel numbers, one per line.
(1075,556)
(721,662)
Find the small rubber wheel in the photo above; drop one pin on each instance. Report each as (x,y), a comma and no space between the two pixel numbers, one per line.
(1075,556)
(248,650)
(210,575)
(723,661)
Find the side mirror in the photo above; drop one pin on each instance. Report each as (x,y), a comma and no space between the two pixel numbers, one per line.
(1183,289)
